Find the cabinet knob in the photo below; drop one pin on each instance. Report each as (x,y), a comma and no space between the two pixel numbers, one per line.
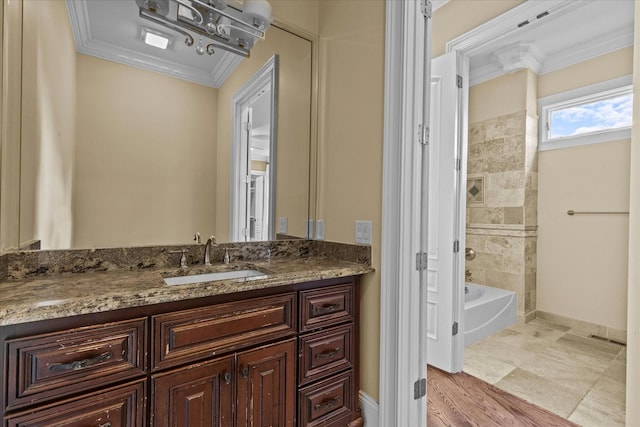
(227,377)
(245,372)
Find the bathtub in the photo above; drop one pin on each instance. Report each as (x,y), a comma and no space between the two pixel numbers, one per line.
(487,310)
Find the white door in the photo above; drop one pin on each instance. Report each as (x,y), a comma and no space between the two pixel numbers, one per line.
(259,214)
(444,345)
(245,177)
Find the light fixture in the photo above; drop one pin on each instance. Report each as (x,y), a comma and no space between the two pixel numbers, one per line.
(155,38)
(218,24)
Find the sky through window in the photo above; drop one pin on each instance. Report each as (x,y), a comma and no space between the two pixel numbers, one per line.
(593,116)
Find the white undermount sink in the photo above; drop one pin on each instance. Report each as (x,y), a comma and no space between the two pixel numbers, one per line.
(211,277)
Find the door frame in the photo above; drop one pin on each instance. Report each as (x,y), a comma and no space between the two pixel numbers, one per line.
(402,339)
(267,74)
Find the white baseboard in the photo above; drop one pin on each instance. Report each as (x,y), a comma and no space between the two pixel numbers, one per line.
(369,410)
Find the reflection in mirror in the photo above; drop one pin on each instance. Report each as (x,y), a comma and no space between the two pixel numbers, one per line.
(254,112)
(114,155)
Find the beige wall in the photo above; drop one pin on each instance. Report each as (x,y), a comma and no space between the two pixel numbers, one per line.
(605,67)
(145,167)
(11,124)
(633,310)
(48,125)
(302,15)
(582,261)
(350,147)
(293,124)
(498,97)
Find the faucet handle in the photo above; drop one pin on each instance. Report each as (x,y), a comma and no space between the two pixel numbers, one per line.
(196,238)
(469,254)
(183,258)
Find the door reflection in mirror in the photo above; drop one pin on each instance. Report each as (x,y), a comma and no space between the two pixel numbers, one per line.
(254,114)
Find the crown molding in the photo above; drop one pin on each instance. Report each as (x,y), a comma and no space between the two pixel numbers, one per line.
(588,50)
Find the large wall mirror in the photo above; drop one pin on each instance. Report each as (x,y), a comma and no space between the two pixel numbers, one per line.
(115,155)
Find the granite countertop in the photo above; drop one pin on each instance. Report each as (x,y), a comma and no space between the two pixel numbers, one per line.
(49,296)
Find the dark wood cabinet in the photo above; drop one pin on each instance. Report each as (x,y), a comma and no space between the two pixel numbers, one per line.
(122,406)
(327,358)
(280,357)
(55,365)
(267,386)
(199,395)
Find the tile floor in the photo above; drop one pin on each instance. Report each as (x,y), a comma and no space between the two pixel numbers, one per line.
(561,369)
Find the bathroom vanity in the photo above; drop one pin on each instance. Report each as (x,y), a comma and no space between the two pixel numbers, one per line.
(279,349)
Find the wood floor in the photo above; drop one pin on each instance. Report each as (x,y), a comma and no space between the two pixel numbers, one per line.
(462,400)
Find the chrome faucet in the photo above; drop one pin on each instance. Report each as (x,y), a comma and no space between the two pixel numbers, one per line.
(211,241)
(467,275)
(183,258)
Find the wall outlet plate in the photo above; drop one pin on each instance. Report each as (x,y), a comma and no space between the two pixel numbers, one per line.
(363,232)
(284,225)
(320,229)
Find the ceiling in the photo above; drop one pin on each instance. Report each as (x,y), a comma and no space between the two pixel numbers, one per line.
(573,31)
(112,30)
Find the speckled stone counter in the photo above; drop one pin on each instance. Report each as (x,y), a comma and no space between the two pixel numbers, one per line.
(41,285)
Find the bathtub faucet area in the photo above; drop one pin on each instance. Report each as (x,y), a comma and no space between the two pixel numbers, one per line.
(487,310)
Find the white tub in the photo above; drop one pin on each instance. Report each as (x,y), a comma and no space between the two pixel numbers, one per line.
(487,310)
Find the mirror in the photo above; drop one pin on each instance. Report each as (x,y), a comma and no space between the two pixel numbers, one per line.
(113,155)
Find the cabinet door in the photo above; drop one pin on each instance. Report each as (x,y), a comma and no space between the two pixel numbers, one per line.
(198,395)
(267,386)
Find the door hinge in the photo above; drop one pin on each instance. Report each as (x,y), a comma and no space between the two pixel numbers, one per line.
(456,246)
(459,81)
(426,8)
(420,389)
(423,135)
(422,259)
(248,126)
(454,329)
(458,163)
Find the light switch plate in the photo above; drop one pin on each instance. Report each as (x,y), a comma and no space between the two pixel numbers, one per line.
(320,229)
(284,225)
(363,232)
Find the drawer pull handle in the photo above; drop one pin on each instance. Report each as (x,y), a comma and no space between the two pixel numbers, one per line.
(227,378)
(79,364)
(245,372)
(327,308)
(327,355)
(328,404)
(107,424)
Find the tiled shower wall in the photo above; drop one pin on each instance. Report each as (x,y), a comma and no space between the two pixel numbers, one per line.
(502,194)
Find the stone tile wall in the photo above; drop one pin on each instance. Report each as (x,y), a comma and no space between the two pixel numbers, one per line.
(502,199)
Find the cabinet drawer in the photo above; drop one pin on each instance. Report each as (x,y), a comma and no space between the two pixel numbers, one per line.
(123,406)
(326,306)
(327,401)
(57,364)
(191,335)
(325,353)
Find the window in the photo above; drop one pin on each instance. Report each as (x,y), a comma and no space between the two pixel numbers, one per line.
(588,115)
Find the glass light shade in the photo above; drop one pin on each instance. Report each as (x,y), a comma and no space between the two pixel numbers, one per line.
(257,12)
